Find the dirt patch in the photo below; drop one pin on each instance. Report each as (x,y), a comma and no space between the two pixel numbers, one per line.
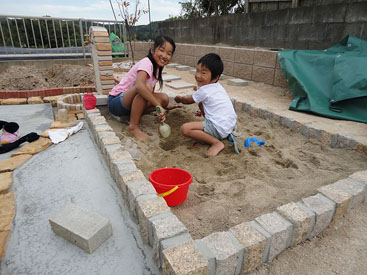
(230,188)
(57,76)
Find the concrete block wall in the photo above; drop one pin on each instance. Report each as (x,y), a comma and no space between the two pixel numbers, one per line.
(250,64)
(243,247)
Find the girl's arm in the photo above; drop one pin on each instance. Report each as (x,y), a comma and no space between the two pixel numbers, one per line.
(144,91)
(184,99)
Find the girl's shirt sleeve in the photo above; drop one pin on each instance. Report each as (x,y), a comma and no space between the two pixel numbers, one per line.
(146,66)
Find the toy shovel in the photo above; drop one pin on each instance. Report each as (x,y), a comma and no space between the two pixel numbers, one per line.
(164,128)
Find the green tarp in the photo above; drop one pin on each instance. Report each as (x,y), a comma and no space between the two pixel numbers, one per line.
(117,45)
(332,82)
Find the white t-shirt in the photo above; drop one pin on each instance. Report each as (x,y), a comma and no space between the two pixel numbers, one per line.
(218,107)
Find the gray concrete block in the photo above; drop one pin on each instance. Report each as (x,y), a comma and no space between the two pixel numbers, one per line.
(254,243)
(281,231)
(121,166)
(147,207)
(184,259)
(172,65)
(101,135)
(136,189)
(300,219)
(324,209)
(237,82)
(182,68)
(228,252)
(101,100)
(109,149)
(81,227)
(341,198)
(208,254)
(162,227)
(170,77)
(311,214)
(127,177)
(268,237)
(354,188)
(180,84)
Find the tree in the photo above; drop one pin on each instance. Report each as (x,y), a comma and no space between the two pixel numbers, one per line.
(130,19)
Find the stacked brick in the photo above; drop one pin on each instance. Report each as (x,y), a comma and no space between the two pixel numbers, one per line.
(102,59)
(243,247)
(250,64)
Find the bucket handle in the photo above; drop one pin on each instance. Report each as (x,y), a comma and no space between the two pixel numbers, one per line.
(168,192)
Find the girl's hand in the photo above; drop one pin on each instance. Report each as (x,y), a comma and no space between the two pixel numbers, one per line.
(171,107)
(161,113)
(178,98)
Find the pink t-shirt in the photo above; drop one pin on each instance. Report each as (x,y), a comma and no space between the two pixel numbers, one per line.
(129,79)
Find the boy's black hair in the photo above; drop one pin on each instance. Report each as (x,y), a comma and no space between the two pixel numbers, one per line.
(159,41)
(213,62)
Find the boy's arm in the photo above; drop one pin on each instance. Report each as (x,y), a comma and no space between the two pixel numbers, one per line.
(184,99)
(201,109)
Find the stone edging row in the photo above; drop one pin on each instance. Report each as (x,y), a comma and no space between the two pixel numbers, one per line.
(243,247)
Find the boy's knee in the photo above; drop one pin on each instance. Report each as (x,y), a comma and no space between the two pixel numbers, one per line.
(184,129)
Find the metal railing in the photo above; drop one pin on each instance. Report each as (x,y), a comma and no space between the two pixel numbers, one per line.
(52,37)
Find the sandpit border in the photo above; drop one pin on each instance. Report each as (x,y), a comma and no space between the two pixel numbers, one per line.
(243,247)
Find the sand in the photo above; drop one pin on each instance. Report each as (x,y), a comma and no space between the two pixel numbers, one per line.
(230,188)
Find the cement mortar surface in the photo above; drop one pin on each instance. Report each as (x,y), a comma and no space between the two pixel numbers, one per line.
(72,171)
(31,118)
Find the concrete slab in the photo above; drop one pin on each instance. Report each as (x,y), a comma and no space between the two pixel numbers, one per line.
(31,118)
(180,84)
(71,172)
(170,77)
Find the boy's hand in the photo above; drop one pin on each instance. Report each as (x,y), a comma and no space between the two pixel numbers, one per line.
(178,98)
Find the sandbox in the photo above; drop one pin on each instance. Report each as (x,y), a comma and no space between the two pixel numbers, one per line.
(230,189)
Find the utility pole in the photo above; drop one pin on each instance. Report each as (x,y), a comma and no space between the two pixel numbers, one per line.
(150,22)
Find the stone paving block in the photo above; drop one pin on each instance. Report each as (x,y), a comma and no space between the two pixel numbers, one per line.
(35,100)
(136,189)
(354,188)
(281,231)
(4,236)
(193,71)
(237,82)
(311,214)
(170,77)
(180,84)
(14,101)
(326,137)
(7,211)
(184,259)
(339,141)
(127,177)
(6,179)
(106,134)
(122,166)
(117,157)
(311,132)
(182,68)
(341,198)
(173,242)
(208,254)
(324,210)
(108,150)
(34,147)
(361,176)
(10,164)
(109,141)
(254,243)
(161,227)
(101,100)
(85,229)
(228,252)
(301,220)
(146,208)
(51,99)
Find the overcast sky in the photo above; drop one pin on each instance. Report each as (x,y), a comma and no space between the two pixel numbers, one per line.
(91,9)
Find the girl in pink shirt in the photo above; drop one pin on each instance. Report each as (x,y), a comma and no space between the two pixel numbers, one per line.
(135,95)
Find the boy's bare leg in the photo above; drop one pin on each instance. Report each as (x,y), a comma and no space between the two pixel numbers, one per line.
(195,130)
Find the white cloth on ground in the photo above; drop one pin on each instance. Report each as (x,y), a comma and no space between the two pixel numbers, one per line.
(59,135)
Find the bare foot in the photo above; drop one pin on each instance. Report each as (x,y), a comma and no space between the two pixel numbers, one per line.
(215,149)
(138,134)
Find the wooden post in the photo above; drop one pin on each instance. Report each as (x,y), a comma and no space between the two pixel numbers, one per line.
(295,3)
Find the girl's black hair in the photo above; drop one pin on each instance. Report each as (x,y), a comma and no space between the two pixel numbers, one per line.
(158,42)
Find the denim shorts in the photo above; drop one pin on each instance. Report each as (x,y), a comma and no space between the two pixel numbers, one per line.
(116,106)
(210,129)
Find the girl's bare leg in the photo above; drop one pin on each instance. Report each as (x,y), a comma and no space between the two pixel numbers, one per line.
(195,130)
(140,106)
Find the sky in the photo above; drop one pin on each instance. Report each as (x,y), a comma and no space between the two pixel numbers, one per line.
(91,9)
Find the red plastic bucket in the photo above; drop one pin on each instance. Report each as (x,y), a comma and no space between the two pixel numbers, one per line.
(172,184)
(89,101)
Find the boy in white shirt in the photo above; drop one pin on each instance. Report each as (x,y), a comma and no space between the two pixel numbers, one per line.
(214,103)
